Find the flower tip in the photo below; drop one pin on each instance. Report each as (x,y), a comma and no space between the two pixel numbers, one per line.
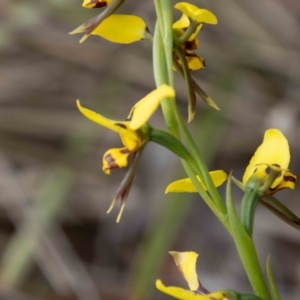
(79,29)
(212,103)
(110,208)
(84,38)
(78,104)
(74,31)
(191,116)
(106,170)
(167,191)
(158,284)
(120,213)
(211,18)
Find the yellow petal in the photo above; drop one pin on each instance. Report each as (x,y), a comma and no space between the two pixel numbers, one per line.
(289,181)
(122,29)
(186,263)
(274,150)
(144,109)
(197,14)
(130,143)
(185,185)
(182,294)
(120,127)
(182,23)
(115,158)
(194,61)
(96,3)
(194,35)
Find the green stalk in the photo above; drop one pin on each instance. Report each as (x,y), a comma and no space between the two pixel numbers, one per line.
(163,60)
(248,207)
(164,11)
(207,199)
(246,249)
(203,171)
(187,34)
(162,77)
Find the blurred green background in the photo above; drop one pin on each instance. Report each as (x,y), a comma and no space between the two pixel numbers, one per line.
(56,241)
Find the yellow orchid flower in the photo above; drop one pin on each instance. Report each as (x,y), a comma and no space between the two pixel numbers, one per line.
(198,17)
(197,14)
(95,3)
(185,185)
(182,294)
(274,154)
(122,29)
(130,131)
(186,263)
(91,25)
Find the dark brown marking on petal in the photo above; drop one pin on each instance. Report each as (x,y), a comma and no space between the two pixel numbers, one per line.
(111,162)
(290,178)
(272,190)
(121,125)
(99,4)
(95,4)
(191,45)
(190,54)
(276,165)
(269,169)
(147,30)
(125,151)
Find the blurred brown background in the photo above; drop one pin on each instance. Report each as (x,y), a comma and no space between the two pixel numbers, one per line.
(56,241)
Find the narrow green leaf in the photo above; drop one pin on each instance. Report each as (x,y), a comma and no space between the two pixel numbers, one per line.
(272,283)
(168,141)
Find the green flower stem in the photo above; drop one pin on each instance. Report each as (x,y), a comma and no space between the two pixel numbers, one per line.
(203,171)
(246,249)
(270,180)
(161,77)
(249,203)
(190,30)
(189,170)
(164,11)
(173,144)
(188,80)
(163,60)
